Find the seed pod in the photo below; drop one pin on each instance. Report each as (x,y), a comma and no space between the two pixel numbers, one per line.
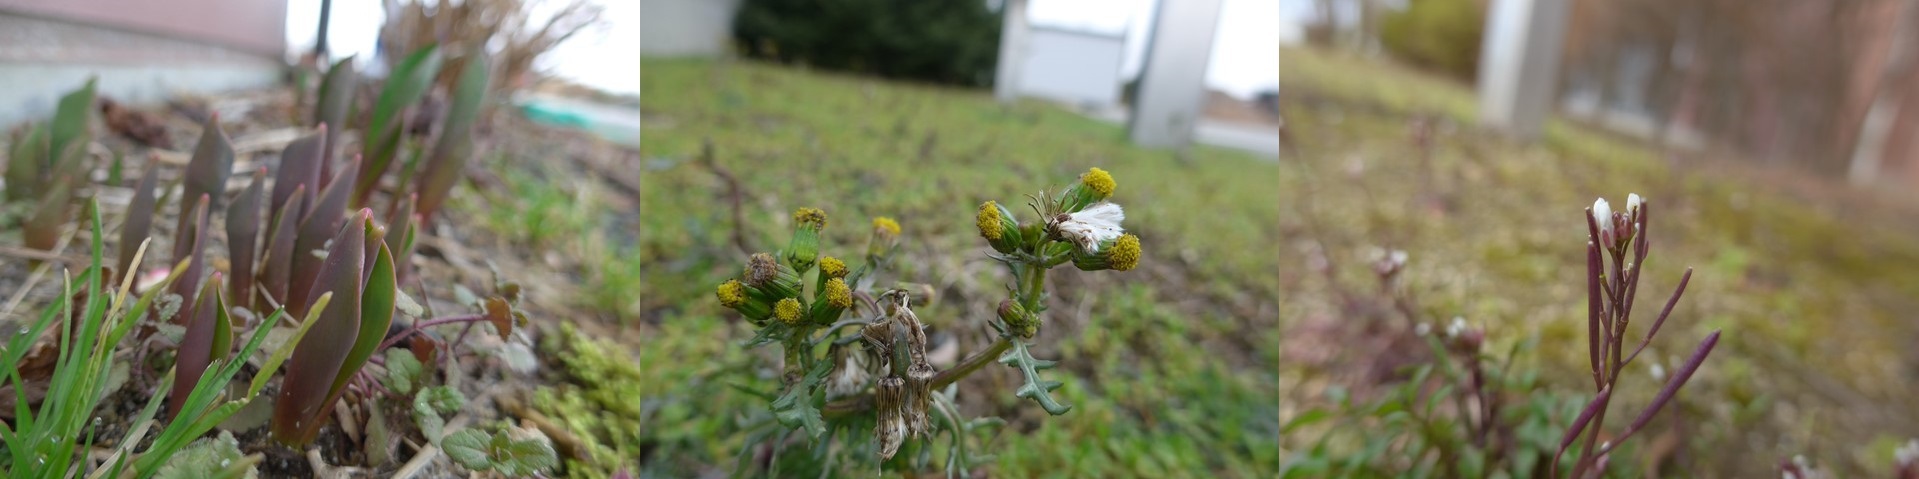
(919,390)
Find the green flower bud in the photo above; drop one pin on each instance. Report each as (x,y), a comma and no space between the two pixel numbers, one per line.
(788,311)
(999,227)
(1094,185)
(835,298)
(833,267)
(886,235)
(1020,321)
(805,247)
(734,295)
(1118,254)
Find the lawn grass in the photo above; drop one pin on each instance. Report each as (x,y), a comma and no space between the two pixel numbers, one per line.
(1170,367)
(1812,287)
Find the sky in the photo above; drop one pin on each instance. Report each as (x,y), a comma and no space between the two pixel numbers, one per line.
(1245,56)
(605,57)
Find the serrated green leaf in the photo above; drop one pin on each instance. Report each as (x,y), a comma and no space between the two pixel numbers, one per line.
(1035,388)
(521,457)
(402,371)
(798,406)
(467,447)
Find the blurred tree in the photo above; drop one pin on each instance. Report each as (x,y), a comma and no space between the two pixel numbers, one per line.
(1441,35)
(944,41)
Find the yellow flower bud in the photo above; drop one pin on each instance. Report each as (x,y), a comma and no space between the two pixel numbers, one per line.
(787,310)
(833,267)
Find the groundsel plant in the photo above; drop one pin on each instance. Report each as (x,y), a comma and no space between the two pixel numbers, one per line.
(856,363)
(1615,255)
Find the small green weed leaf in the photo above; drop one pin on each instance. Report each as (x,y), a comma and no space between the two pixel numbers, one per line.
(402,371)
(210,458)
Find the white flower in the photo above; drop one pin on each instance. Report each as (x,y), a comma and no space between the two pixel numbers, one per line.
(1632,203)
(1658,372)
(1602,214)
(1423,329)
(1093,225)
(1458,326)
(1908,454)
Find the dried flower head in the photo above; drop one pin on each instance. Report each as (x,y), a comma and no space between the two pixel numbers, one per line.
(761,269)
(1089,227)
(890,431)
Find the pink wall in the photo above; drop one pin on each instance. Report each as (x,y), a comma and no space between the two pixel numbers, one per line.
(255,26)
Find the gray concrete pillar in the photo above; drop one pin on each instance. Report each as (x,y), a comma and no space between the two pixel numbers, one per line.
(1012,51)
(1519,64)
(1172,84)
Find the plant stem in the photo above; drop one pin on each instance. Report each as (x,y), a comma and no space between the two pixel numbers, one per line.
(422,325)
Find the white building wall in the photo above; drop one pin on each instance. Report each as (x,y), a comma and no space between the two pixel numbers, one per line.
(1079,68)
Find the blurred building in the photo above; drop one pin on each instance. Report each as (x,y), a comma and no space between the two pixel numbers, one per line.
(1073,66)
(141,51)
(678,28)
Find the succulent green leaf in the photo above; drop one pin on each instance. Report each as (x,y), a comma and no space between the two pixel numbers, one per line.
(71,117)
(306,394)
(455,146)
(336,99)
(26,162)
(408,83)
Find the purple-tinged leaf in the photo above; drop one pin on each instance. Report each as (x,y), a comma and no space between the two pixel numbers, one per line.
(243,237)
(206,175)
(303,401)
(278,267)
(139,224)
(195,238)
(299,166)
(322,220)
(376,314)
(208,338)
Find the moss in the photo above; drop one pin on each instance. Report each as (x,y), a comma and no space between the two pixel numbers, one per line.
(596,402)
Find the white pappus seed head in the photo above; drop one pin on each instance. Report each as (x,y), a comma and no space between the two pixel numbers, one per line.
(1093,225)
